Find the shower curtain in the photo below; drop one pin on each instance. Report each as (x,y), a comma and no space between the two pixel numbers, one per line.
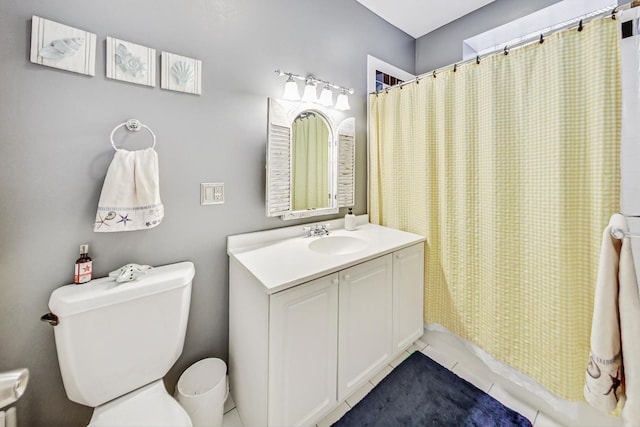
(510,168)
(310,154)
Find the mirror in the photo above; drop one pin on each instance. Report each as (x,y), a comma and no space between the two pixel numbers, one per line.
(310,161)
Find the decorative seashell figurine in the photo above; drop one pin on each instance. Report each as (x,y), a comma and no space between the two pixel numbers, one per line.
(129,272)
(183,72)
(61,48)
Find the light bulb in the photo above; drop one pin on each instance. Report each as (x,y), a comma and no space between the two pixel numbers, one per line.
(291,90)
(310,94)
(326,96)
(342,103)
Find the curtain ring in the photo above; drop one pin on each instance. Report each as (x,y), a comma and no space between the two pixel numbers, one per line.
(478,59)
(506,50)
(417,81)
(580,27)
(434,74)
(455,67)
(613,13)
(541,39)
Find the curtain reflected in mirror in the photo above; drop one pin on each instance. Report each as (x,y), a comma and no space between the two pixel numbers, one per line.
(310,165)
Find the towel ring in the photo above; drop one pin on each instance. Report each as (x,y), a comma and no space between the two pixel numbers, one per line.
(132,125)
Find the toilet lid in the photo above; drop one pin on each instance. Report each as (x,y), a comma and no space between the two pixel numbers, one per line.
(148,406)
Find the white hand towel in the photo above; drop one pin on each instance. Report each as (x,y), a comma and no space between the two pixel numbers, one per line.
(614,365)
(630,335)
(130,198)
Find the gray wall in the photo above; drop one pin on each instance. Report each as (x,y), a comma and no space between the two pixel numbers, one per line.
(54,139)
(443,46)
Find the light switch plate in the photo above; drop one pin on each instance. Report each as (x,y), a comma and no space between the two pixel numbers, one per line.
(211,193)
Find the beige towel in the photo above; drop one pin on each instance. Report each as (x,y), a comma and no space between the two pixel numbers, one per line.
(614,365)
(130,198)
(629,298)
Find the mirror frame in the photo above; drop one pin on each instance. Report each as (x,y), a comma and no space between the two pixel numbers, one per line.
(280,117)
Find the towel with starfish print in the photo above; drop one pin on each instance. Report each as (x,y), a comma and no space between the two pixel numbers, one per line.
(130,198)
(613,371)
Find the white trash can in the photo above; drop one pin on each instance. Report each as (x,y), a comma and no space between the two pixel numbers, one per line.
(202,390)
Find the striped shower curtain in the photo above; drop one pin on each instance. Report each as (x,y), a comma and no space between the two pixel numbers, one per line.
(510,168)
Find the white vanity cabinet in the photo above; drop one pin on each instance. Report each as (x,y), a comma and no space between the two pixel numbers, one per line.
(303,339)
(365,327)
(408,287)
(300,345)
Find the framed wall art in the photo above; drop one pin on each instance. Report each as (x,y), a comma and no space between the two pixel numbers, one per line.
(130,62)
(61,46)
(181,73)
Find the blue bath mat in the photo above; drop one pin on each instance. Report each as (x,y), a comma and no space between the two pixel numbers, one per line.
(420,392)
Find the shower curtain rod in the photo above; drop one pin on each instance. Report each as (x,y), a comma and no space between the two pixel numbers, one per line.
(537,37)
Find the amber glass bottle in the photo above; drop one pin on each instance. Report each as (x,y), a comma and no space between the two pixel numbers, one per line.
(84,266)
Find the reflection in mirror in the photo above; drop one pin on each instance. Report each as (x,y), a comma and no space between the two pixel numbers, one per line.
(310,160)
(310,165)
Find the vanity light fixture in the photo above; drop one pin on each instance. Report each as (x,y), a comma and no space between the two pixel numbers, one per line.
(291,90)
(342,103)
(326,96)
(310,91)
(310,94)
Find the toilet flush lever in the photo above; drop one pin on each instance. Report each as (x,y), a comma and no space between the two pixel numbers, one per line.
(50,318)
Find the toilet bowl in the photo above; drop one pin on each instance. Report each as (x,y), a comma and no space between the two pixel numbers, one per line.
(116,341)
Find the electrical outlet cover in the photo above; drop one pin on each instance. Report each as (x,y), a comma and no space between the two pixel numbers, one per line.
(211,193)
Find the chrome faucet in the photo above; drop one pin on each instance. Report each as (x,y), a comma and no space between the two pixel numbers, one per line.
(317,230)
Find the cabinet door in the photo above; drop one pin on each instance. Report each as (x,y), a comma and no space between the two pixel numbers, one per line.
(408,297)
(303,352)
(365,335)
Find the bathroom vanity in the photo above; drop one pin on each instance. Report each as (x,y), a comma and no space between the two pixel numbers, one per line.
(314,318)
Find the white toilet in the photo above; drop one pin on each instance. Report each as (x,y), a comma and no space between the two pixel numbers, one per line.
(115,342)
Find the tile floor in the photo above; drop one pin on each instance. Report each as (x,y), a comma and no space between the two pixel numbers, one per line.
(450,352)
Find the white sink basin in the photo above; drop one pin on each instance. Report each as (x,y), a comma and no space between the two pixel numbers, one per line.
(282,258)
(337,245)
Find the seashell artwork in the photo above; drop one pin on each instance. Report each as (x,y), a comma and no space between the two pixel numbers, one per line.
(130,62)
(61,48)
(183,72)
(127,62)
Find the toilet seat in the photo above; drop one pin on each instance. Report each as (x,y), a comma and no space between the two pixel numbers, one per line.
(149,406)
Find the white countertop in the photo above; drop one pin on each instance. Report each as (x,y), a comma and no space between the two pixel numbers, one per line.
(281,258)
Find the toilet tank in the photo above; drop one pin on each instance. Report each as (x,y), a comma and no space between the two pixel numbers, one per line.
(113,338)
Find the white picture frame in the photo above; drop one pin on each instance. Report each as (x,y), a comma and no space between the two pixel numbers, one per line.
(130,62)
(181,73)
(60,46)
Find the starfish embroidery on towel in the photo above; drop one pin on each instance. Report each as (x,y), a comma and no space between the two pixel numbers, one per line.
(103,221)
(124,219)
(615,383)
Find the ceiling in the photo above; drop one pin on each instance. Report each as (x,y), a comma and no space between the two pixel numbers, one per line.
(419,17)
